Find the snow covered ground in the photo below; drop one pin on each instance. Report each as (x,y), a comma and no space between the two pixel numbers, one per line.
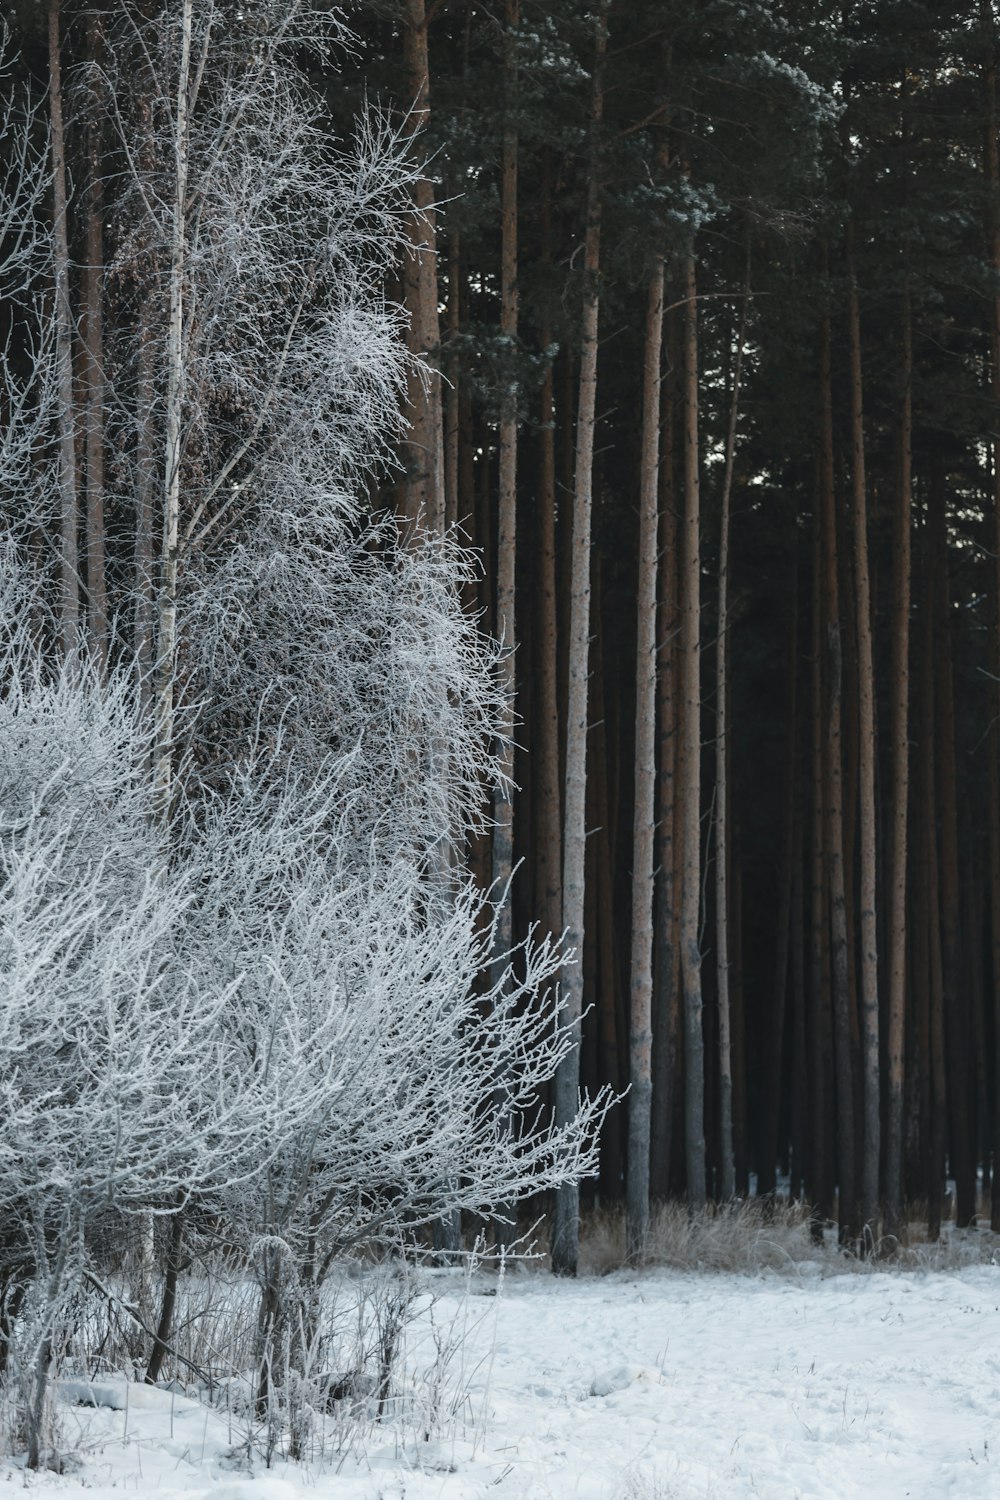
(653,1386)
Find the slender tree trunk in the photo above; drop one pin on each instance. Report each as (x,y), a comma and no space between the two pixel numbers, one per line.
(69,512)
(796,1183)
(166,635)
(955,997)
(93,342)
(690,785)
(895,1223)
(424,499)
(145,483)
(991,156)
(766,1179)
(819,1077)
(566,1220)
(666,1028)
(871,1135)
(548,800)
(453,396)
(168,1301)
(643,868)
(503,806)
(727,1161)
(931,902)
(835,817)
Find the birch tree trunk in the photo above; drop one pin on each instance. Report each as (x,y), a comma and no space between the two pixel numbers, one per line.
(93,343)
(166,635)
(69,511)
(566,1218)
(643,871)
(690,781)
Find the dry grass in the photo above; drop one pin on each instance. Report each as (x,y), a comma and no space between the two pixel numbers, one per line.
(755,1235)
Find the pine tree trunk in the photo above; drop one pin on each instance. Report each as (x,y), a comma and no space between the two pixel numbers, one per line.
(689,787)
(566,1218)
(424,498)
(666,1026)
(453,396)
(847,1192)
(991,156)
(931,910)
(766,1178)
(503,806)
(69,509)
(548,799)
(871,1135)
(895,1224)
(643,869)
(955,996)
(820,1174)
(727,1185)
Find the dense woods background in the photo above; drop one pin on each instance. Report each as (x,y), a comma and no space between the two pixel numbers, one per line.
(710,300)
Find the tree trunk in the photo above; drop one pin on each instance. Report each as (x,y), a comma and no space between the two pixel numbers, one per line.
(690,784)
(895,1224)
(166,635)
(93,343)
(566,1218)
(168,1301)
(820,1174)
(727,1185)
(871,1135)
(991,156)
(423,499)
(643,869)
(847,1192)
(503,805)
(955,996)
(69,512)
(548,843)
(666,1027)
(931,913)
(767,1166)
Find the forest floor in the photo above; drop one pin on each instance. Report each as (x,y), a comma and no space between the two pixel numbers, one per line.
(657,1385)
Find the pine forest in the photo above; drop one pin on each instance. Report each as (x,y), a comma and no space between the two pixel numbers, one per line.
(499,641)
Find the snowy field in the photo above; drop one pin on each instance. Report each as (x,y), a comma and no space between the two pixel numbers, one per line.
(653,1386)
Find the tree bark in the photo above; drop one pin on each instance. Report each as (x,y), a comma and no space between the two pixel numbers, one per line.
(93,343)
(895,1224)
(871,1135)
(727,1162)
(666,1027)
(566,1217)
(166,634)
(423,498)
(643,868)
(767,1166)
(846,1183)
(69,505)
(690,784)
(991,160)
(503,806)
